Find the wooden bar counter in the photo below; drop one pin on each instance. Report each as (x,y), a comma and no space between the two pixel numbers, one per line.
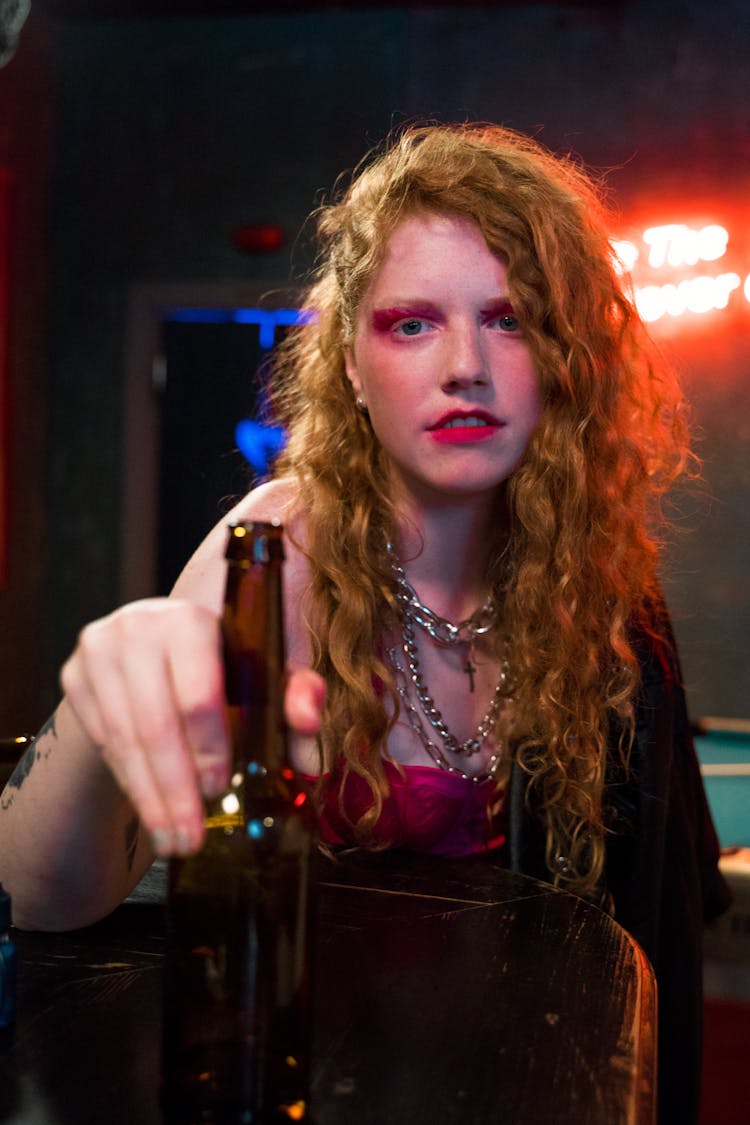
(449,992)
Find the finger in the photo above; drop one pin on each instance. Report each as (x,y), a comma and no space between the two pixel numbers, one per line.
(160,733)
(96,691)
(196,671)
(304,700)
(82,700)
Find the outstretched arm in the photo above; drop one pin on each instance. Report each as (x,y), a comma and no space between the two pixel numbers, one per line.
(118,773)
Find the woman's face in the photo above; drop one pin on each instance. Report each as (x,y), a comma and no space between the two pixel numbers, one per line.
(441,362)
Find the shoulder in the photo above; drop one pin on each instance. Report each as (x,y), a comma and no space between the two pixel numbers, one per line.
(274,500)
(202,579)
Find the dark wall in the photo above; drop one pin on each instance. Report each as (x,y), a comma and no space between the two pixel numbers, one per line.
(171,132)
(27,151)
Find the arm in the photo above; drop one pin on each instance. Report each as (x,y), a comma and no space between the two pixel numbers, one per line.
(71,844)
(117,774)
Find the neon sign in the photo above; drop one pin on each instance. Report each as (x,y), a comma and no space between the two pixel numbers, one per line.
(258,441)
(664,270)
(268,320)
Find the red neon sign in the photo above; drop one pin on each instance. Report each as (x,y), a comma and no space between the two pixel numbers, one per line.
(671,274)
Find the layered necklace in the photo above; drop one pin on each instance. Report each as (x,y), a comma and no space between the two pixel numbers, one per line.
(409,674)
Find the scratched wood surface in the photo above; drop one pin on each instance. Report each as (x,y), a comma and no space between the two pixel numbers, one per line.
(448,992)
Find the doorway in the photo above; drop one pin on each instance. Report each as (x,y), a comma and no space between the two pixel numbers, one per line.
(195,373)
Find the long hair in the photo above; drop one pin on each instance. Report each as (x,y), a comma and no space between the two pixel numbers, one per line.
(582,506)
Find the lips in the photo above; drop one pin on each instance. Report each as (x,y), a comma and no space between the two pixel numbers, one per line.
(459,426)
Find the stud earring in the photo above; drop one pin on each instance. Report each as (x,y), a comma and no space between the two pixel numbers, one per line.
(360,404)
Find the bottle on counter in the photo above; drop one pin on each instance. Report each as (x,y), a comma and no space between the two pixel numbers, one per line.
(240,913)
(7,967)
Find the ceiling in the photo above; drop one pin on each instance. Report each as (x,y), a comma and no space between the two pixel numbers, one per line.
(98,9)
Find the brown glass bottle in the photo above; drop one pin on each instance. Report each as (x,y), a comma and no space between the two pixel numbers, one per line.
(237,989)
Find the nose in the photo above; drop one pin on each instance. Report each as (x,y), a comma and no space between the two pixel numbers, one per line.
(465,363)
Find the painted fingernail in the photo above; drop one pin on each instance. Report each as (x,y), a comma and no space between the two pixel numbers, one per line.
(161,841)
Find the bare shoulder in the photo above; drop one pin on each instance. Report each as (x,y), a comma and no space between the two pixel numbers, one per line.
(274,500)
(202,580)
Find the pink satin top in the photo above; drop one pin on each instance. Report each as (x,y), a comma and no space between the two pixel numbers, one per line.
(427,810)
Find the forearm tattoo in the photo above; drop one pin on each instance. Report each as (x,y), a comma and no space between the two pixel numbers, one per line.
(41,747)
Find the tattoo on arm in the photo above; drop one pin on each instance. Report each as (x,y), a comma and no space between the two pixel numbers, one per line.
(40,747)
(131,840)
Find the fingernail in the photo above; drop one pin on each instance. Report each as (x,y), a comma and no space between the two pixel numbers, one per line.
(161,841)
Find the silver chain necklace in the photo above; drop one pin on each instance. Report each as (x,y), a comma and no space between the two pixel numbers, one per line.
(446,634)
(471,745)
(434,751)
(441,630)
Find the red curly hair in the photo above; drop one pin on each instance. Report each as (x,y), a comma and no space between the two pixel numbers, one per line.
(583,506)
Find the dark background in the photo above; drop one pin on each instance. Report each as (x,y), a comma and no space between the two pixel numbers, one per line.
(210,386)
(141,135)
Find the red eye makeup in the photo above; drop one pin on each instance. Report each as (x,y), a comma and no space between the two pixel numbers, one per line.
(383,320)
(497,309)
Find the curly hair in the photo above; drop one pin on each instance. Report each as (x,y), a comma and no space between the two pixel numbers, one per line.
(583,506)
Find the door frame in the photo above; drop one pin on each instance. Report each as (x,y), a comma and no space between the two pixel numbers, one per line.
(149,304)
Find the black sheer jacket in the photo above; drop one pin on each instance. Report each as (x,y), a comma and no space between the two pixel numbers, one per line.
(662,871)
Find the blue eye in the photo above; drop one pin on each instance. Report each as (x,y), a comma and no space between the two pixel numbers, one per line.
(508,323)
(411,327)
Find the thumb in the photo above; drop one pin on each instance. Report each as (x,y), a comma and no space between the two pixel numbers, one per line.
(304,699)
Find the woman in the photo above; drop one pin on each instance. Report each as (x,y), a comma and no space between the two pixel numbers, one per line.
(478,440)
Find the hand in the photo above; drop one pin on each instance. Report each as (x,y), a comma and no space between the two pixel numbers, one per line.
(146,684)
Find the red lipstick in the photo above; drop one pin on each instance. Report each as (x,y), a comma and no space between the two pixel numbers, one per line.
(458,427)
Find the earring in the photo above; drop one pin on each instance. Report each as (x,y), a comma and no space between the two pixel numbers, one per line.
(360,404)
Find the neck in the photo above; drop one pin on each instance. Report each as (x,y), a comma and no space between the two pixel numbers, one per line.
(445,551)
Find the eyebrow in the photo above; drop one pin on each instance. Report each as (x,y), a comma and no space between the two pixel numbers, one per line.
(383,319)
(501,307)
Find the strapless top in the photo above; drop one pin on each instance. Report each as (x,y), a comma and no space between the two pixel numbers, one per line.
(427,810)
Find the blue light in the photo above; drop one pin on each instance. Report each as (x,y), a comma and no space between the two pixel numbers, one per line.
(259,444)
(255,829)
(267,319)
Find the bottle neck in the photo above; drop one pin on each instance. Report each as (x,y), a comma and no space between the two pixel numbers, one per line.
(254,650)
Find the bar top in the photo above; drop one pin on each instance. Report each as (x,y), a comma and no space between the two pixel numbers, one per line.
(448,991)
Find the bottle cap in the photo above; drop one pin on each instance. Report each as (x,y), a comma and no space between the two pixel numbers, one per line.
(4,909)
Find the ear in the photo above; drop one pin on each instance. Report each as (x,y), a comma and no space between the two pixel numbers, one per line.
(352,371)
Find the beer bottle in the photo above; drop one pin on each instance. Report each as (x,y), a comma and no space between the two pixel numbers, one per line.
(237,1001)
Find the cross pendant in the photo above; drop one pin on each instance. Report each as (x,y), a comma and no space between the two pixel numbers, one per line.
(469,669)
